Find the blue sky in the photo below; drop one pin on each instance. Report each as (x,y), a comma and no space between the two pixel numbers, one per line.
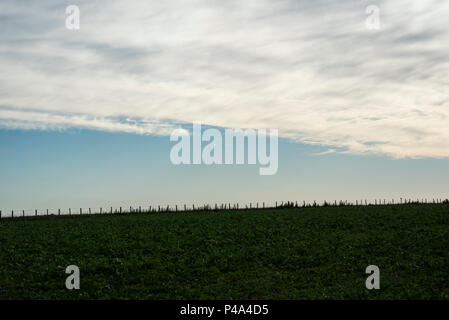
(86,114)
(82,168)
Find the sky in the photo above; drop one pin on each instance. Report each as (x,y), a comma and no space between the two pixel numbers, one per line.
(85,115)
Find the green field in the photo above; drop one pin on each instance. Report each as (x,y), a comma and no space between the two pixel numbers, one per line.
(300,253)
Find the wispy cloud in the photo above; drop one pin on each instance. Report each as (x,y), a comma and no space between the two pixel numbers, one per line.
(309,68)
(32,120)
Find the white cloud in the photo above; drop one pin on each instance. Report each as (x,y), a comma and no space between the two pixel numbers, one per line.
(31,120)
(308,68)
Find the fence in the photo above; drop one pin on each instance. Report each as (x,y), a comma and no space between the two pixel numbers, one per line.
(215,207)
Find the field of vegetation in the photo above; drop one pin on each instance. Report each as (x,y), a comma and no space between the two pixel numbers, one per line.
(291,253)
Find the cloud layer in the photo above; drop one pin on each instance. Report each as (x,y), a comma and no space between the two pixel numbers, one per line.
(308,68)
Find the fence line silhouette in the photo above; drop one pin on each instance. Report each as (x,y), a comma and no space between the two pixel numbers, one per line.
(216,207)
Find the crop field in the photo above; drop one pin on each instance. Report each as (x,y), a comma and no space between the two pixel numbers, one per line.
(294,253)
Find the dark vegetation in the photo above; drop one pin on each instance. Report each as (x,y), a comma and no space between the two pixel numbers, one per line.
(291,252)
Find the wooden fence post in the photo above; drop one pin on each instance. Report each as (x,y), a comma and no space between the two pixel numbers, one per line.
(12,213)
(89,211)
(120,210)
(70,211)
(47,212)
(81,211)
(59,212)
(111,210)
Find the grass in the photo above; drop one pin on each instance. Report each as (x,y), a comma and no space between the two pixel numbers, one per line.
(298,253)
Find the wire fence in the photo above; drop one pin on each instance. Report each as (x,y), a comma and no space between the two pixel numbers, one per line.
(208,207)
